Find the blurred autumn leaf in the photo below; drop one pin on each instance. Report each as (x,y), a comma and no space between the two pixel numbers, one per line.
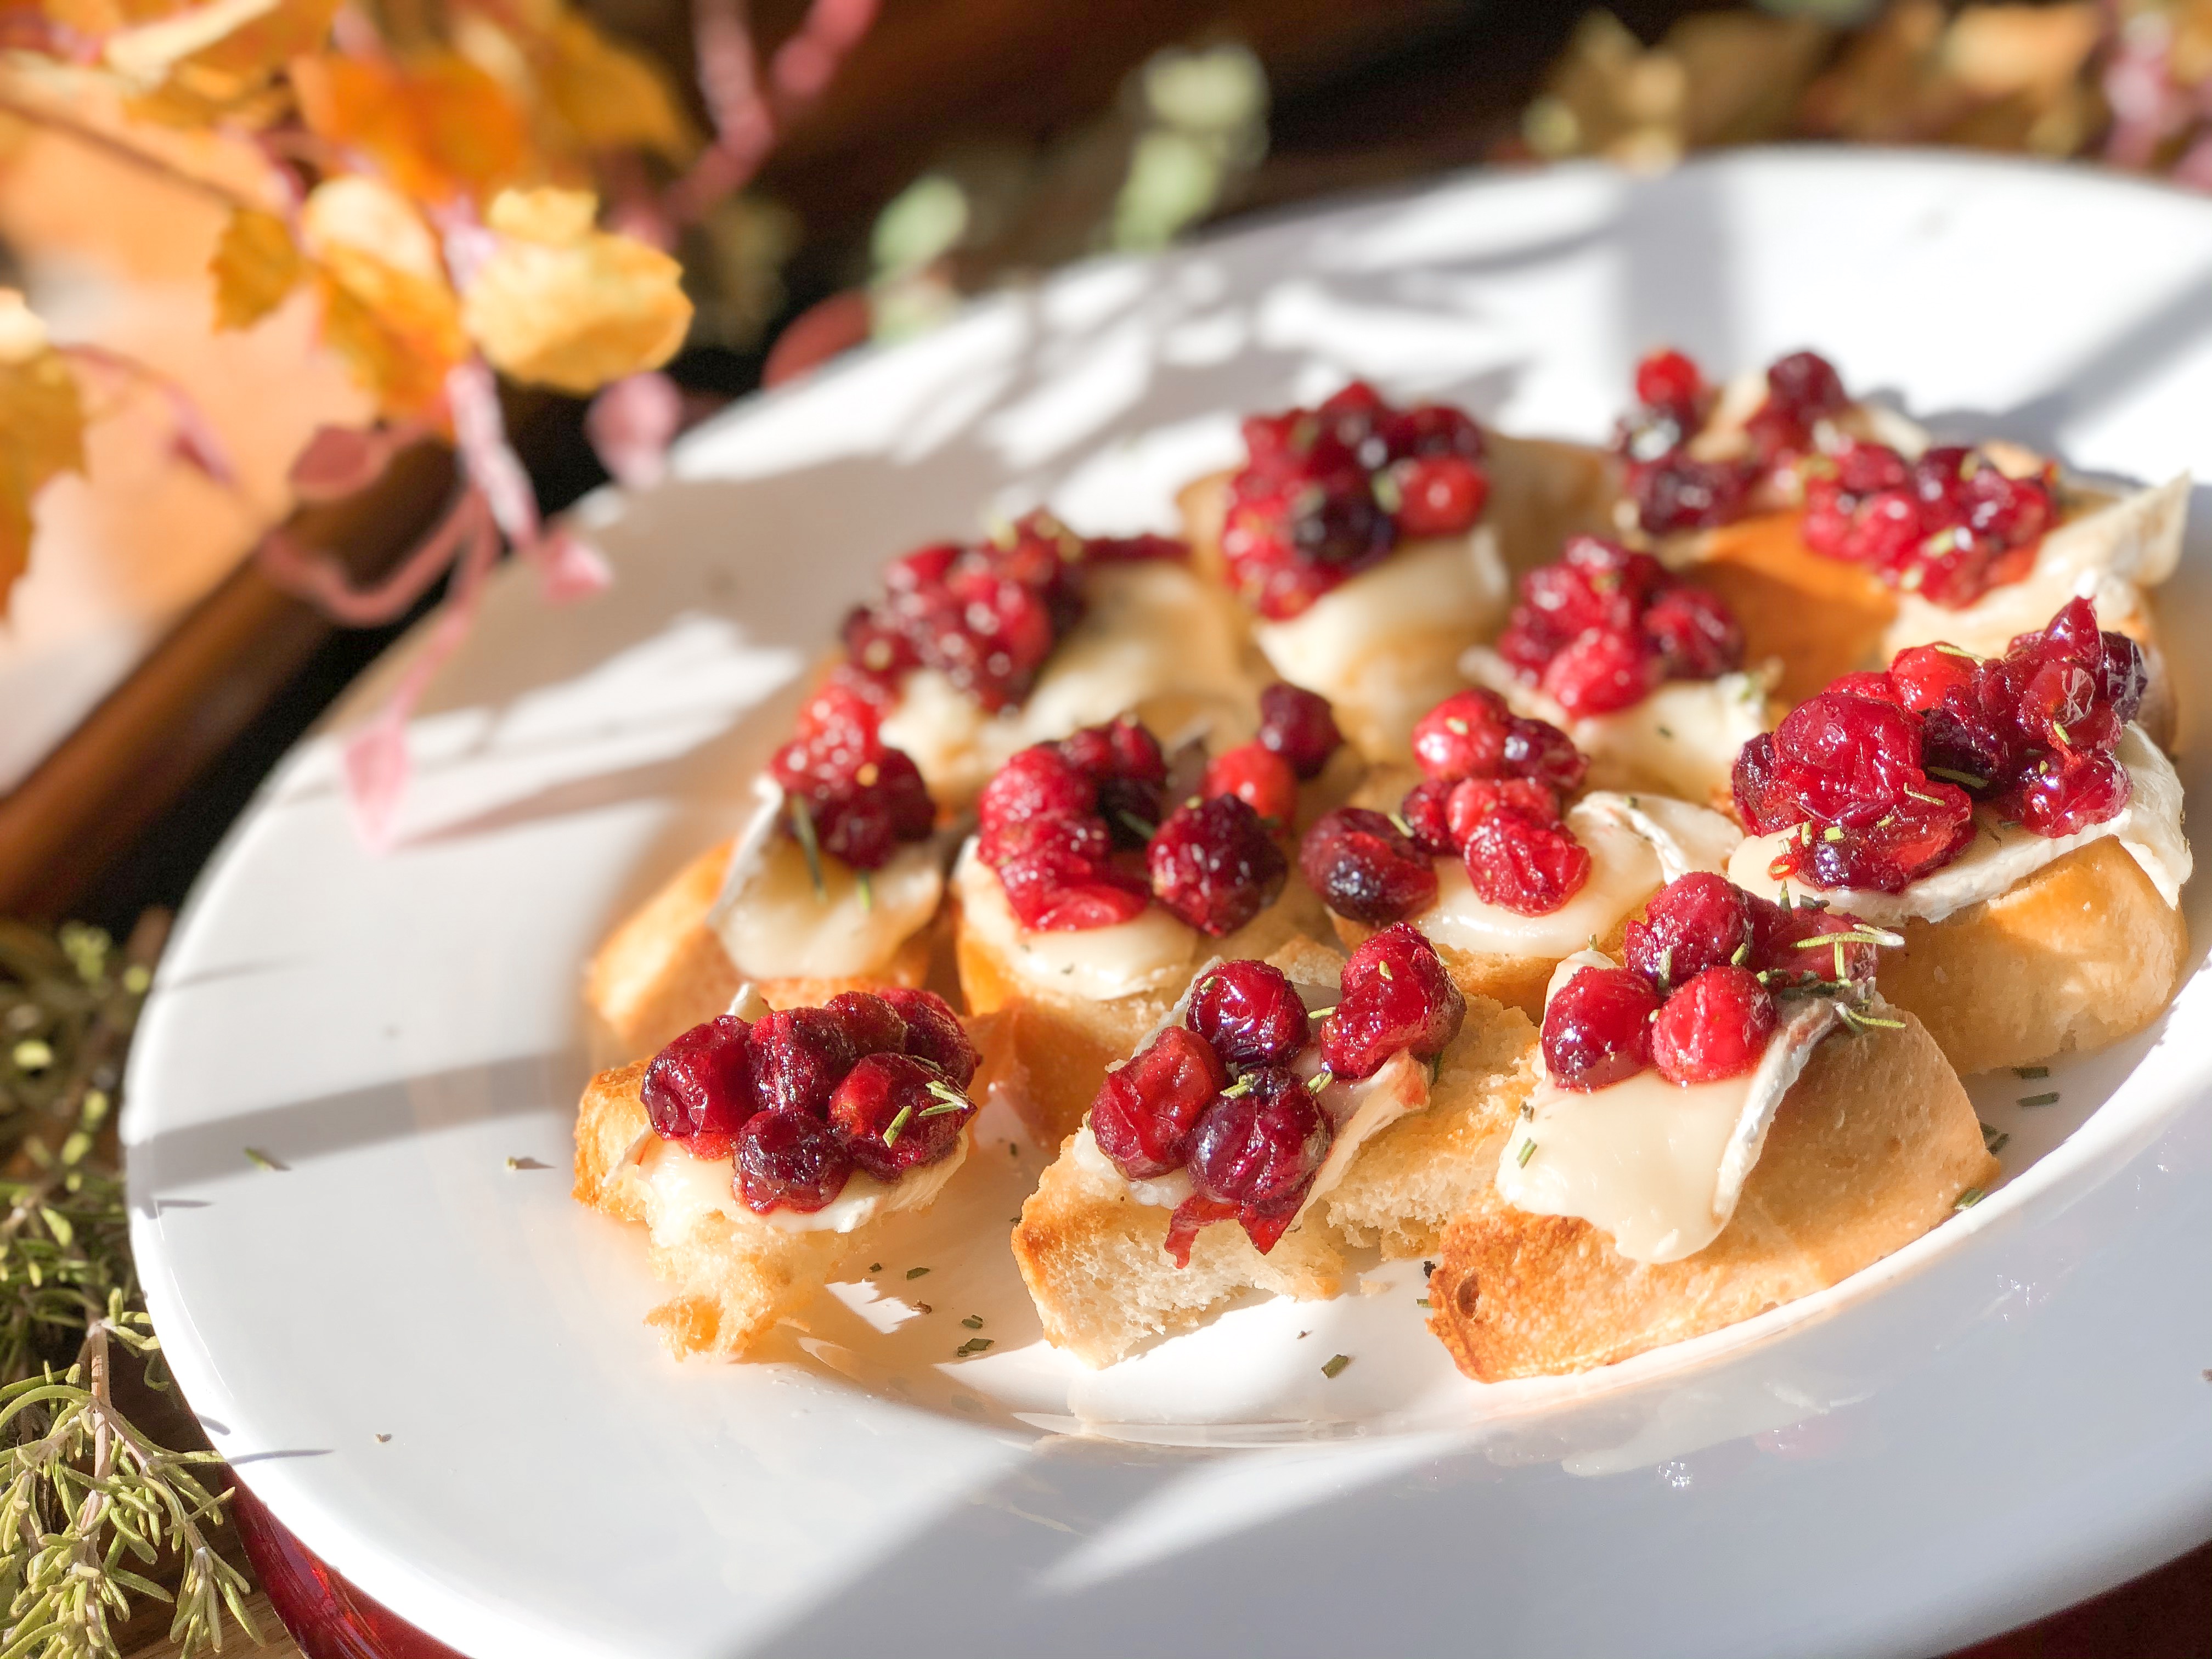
(41,428)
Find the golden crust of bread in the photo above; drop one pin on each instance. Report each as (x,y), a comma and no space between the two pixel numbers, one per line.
(1819,617)
(1047,1052)
(2081,954)
(1873,1147)
(731,1282)
(1093,1257)
(663,969)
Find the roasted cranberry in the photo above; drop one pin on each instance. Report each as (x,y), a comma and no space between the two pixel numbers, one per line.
(1696,922)
(2064,795)
(1262,1147)
(1425,812)
(1215,864)
(789,1161)
(1395,994)
(860,814)
(2123,676)
(1463,736)
(1925,675)
(872,1025)
(1125,761)
(1799,945)
(1039,782)
(1948,525)
(1365,868)
(1528,865)
(1715,1027)
(1695,633)
(1438,495)
(1600,672)
(1186,1221)
(1040,860)
(896,1113)
(1143,1111)
(1296,724)
(1666,380)
(798,1056)
(1473,800)
(1430,429)
(1251,1013)
(1597,1029)
(1801,389)
(1110,897)
(934,1033)
(1676,493)
(699,1088)
(1259,777)
(1540,752)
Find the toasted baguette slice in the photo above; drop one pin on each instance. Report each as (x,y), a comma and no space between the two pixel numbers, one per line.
(734,1274)
(663,969)
(2081,953)
(1048,1051)
(1874,1145)
(1094,1258)
(1818,617)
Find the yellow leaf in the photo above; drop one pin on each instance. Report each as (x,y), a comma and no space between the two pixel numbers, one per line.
(146,53)
(41,429)
(565,305)
(254,266)
(434,124)
(220,61)
(611,97)
(395,369)
(387,308)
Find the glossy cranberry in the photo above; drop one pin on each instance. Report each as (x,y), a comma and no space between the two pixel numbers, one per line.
(1187,1220)
(1526,864)
(1847,756)
(1463,736)
(699,1088)
(860,805)
(1696,922)
(1121,748)
(894,1113)
(1432,429)
(1666,380)
(2065,794)
(1438,495)
(1365,868)
(1259,777)
(1425,812)
(798,1056)
(1251,1013)
(1473,800)
(2123,676)
(933,1032)
(1676,493)
(1110,897)
(1597,1029)
(1696,635)
(1144,1112)
(789,1161)
(1395,994)
(1714,1027)
(1947,525)
(1763,800)
(872,1025)
(1925,675)
(1601,672)
(1540,752)
(1215,864)
(1802,390)
(1037,782)
(1297,725)
(1262,1147)
(1041,862)
(1799,946)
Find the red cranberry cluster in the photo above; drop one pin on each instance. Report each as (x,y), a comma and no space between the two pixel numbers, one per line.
(1602,627)
(1297,734)
(1948,526)
(1675,491)
(1327,492)
(1880,773)
(1489,795)
(1074,832)
(1698,998)
(1220,1096)
(843,788)
(871,1080)
(986,616)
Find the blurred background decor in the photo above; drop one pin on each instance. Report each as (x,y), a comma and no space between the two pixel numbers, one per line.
(311,311)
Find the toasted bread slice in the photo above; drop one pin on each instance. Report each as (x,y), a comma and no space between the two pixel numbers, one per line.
(1818,617)
(2081,953)
(1093,1256)
(663,969)
(734,1274)
(1874,1144)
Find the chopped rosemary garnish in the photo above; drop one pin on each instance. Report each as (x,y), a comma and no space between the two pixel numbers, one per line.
(875,1266)
(974,1321)
(1423,1302)
(1664,733)
(1139,826)
(2059,732)
(1321,1081)
(891,1129)
(1383,969)
(261,1160)
(1854,936)
(1334,1368)
(802,830)
(1994,1140)
(1968,1199)
(1832,834)
(1321,1013)
(1428,1269)
(2050,1099)
(866,882)
(1955,651)
(948,1099)
(1857,1019)
(1666,968)
(1398,823)
(1965,779)
(1242,1087)
(1457,727)
(915,1273)
(973,1345)
(2031,1071)
(1741,952)
(1528,1151)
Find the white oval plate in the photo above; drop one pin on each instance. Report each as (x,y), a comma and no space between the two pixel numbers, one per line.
(2009,1415)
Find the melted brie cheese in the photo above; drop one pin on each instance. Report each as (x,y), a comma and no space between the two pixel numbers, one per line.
(1657,1166)
(777,925)
(1155,640)
(1385,644)
(1100,963)
(1635,845)
(1682,739)
(681,1189)
(2001,857)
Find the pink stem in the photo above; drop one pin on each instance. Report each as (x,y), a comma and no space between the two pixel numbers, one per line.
(197,442)
(315,577)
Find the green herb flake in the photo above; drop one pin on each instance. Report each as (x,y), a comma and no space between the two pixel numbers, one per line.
(891,1130)
(867,886)
(1423,1302)
(1968,1199)
(261,1160)
(1321,1081)
(875,1266)
(2031,1072)
(1398,823)
(915,1273)
(802,830)
(974,1321)
(1334,1368)
(972,1346)
(1528,1151)
(1143,828)
(1965,779)
(2049,1099)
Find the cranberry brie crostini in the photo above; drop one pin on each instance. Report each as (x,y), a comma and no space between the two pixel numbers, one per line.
(969,655)
(1484,855)
(1364,540)
(1103,872)
(1842,536)
(1732,1120)
(764,1149)
(2002,815)
(1643,671)
(1218,1158)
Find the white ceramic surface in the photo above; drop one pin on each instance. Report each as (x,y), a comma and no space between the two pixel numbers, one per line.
(2011,1414)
